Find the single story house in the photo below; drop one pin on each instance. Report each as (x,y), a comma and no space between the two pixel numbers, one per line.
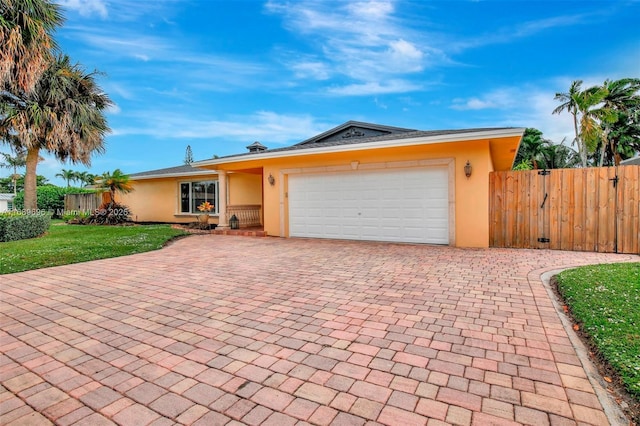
(6,202)
(172,195)
(358,181)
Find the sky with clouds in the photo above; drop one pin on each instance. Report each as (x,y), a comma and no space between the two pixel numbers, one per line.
(218,75)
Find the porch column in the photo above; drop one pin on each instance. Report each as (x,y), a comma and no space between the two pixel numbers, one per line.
(222,200)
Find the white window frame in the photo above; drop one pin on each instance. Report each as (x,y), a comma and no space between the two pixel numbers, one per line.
(216,203)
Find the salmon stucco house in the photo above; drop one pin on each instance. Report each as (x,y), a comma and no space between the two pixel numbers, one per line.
(357,181)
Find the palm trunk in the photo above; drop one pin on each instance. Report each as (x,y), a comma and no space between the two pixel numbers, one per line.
(30,190)
(582,150)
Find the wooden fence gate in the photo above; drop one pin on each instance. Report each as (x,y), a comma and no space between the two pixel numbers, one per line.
(588,209)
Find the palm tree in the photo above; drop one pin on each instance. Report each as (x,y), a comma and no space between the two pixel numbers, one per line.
(115,181)
(68,175)
(64,116)
(560,156)
(621,101)
(569,104)
(14,162)
(26,41)
(532,149)
(85,178)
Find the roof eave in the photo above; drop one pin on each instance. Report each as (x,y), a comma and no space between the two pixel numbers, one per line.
(422,140)
(173,175)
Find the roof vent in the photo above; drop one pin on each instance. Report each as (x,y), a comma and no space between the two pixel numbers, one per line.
(256,147)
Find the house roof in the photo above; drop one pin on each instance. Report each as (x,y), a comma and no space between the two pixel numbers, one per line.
(177,171)
(6,197)
(354,135)
(630,161)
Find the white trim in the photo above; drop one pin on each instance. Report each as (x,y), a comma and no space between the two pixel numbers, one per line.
(178,209)
(172,175)
(447,162)
(423,140)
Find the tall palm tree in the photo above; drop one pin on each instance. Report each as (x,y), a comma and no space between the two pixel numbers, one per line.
(63,116)
(569,103)
(115,181)
(26,41)
(14,162)
(68,175)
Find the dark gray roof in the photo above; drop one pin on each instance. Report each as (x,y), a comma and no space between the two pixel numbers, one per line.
(630,161)
(333,137)
(177,170)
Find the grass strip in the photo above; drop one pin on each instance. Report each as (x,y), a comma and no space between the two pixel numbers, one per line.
(64,244)
(605,301)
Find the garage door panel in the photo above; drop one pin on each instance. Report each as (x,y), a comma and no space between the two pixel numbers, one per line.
(406,205)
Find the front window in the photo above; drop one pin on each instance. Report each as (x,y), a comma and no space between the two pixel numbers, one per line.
(192,194)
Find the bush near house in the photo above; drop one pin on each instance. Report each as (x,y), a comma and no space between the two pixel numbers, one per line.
(50,198)
(16,226)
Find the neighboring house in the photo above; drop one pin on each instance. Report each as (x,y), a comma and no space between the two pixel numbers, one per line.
(356,181)
(6,202)
(631,161)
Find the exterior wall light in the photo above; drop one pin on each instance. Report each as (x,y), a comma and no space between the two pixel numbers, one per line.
(467,169)
(271,179)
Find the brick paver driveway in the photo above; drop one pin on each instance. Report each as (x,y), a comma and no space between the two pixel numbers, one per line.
(234,330)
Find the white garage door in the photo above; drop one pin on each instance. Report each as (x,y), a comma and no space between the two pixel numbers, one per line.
(404,205)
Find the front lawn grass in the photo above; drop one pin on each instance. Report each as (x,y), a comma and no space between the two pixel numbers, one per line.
(605,302)
(64,244)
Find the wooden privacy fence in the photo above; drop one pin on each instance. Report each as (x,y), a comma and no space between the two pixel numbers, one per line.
(589,209)
(85,202)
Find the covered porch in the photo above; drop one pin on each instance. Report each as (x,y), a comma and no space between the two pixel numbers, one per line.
(240,202)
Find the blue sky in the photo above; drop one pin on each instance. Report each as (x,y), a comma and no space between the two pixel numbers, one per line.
(219,75)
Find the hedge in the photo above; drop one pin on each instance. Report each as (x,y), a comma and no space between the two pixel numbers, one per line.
(18,226)
(50,197)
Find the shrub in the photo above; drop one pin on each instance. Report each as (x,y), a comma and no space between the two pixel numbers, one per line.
(17,226)
(50,198)
(110,214)
(76,218)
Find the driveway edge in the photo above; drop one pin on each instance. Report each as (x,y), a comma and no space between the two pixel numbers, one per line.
(612,410)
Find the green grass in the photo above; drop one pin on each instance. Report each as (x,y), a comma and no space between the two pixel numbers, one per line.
(605,301)
(64,244)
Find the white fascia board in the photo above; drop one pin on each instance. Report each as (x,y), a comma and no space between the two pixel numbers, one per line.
(171,175)
(423,140)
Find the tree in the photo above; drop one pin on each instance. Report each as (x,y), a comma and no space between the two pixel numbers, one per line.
(620,107)
(64,115)
(68,175)
(560,156)
(532,149)
(14,162)
(570,104)
(26,41)
(115,181)
(85,178)
(188,156)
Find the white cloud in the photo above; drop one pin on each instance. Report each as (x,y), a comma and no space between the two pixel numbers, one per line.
(497,99)
(314,70)
(374,88)
(265,126)
(363,41)
(86,7)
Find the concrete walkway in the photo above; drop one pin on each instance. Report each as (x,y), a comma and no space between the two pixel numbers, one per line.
(217,330)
